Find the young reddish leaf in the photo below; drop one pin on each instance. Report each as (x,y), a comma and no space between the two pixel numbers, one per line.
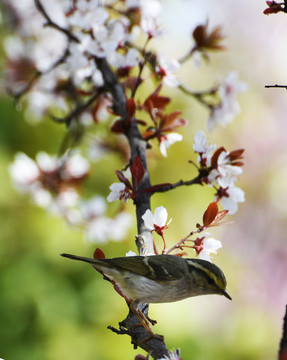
(123,179)
(283,354)
(141,122)
(273,8)
(99,254)
(181,254)
(149,133)
(137,171)
(236,154)
(237,163)
(131,107)
(205,40)
(215,156)
(219,217)
(154,101)
(140,357)
(171,121)
(210,214)
(156,187)
(118,127)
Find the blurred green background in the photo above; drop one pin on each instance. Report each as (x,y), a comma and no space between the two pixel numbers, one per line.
(51,308)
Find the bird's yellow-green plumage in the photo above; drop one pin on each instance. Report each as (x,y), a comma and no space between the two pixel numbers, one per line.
(160,278)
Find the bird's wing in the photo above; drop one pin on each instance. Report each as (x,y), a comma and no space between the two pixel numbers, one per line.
(160,267)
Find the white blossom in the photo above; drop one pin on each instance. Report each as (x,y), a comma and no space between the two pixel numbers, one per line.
(102,229)
(130,59)
(168,70)
(76,166)
(234,196)
(131,253)
(24,171)
(167,140)
(228,108)
(120,226)
(210,246)
(98,230)
(88,12)
(157,220)
(93,208)
(202,147)
(150,20)
(225,174)
(46,162)
(40,196)
(117,190)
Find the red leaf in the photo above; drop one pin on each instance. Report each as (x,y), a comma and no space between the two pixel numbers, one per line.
(220,215)
(283,354)
(156,187)
(131,107)
(205,40)
(137,171)
(210,214)
(273,8)
(181,254)
(236,154)
(215,156)
(154,101)
(99,254)
(118,127)
(141,122)
(140,357)
(123,179)
(237,163)
(149,133)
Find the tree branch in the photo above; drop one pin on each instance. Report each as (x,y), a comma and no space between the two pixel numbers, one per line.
(167,187)
(155,347)
(17,95)
(52,24)
(283,342)
(276,86)
(77,111)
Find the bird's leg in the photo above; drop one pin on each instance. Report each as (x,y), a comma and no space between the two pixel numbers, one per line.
(153,322)
(144,322)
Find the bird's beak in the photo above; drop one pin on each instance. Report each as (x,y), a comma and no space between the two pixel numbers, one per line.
(224,293)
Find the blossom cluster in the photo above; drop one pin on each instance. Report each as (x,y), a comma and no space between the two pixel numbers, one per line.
(53,60)
(225,110)
(204,245)
(54,65)
(52,183)
(94,31)
(222,169)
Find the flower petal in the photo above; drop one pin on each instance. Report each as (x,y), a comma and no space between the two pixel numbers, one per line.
(148,220)
(160,216)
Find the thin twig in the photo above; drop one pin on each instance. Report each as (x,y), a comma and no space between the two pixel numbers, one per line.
(168,187)
(283,342)
(54,25)
(17,95)
(141,67)
(77,111)
(198,95)
(276,86)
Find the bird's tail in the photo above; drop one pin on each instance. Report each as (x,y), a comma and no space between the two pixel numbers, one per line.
(94,262)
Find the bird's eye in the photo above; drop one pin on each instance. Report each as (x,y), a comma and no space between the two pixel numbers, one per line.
(210,281)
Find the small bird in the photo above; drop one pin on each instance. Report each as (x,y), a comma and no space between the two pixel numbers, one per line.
(158,279)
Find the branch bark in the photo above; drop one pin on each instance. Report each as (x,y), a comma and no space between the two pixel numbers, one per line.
(155,347)
(283,342)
